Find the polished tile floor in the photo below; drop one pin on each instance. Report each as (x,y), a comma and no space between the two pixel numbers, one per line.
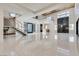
(31,45)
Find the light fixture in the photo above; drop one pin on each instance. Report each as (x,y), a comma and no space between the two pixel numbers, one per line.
(46,27)
(55,37)
(71,39)
(12,14)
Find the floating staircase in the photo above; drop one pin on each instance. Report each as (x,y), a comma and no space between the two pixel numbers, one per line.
(6,28)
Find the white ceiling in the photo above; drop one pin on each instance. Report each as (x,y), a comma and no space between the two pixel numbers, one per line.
(36,6)
(23,8)
(31,9)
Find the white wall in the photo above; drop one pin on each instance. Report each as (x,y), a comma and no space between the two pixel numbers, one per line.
(77,10)
(24,18)
(1,25)
(71,19)
(65,38)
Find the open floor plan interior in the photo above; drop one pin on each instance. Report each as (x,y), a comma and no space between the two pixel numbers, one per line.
(39,29)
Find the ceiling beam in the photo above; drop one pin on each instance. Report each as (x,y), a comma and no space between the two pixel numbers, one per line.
(59,6)
(54,11)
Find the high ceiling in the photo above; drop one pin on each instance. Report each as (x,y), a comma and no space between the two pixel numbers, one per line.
(31,9)
(36,6)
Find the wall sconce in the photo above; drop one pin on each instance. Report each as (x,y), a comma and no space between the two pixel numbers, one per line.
(71,27)
(71,39)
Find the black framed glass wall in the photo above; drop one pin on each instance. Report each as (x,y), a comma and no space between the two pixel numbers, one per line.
(63,25)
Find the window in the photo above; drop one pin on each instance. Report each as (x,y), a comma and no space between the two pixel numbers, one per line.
(29,27)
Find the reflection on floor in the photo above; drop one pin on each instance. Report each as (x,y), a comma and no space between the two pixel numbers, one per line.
(30,45)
